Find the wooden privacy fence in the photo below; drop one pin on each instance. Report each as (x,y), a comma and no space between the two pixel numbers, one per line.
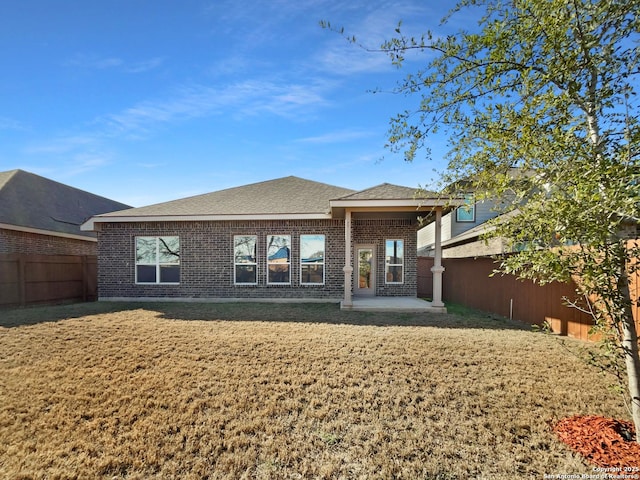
(32,279)
(466,281)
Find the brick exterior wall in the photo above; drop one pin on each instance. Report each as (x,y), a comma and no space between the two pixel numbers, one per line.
(207,263)
(375,232)
(13,241)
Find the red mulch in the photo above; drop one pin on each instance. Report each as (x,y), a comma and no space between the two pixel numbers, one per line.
(605,442)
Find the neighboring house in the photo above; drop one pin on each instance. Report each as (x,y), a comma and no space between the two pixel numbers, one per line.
(286,238)
(40,216)
(461,231)
(464,228)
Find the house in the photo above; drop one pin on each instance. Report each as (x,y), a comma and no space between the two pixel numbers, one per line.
(463,228)
(41,216)
(463,238)
(287,238)
(461,231)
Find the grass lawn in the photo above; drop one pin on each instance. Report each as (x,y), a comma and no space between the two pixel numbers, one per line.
(113,390)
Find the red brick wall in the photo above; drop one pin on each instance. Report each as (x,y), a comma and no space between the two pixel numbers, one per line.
(206,263)
(12,241)
(207,258)
(374,231)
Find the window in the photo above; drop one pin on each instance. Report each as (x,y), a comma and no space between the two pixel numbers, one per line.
(279,259)
(157,259)
(467,212)
(244,258)
(394,261)
(312,259)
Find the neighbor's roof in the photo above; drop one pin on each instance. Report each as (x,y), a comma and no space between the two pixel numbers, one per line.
(33,203)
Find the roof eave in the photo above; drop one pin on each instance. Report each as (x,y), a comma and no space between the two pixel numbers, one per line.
(90,224)
(51,233)
(418,203)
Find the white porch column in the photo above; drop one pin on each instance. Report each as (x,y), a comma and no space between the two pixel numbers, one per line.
(348,268)
(437,268)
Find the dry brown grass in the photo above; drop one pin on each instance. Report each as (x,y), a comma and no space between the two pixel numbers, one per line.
(274,391)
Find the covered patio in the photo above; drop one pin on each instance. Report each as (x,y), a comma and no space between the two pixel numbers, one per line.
(363,247)
(392,304)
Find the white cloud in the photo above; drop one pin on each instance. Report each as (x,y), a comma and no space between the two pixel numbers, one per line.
(341,56)
(348,59)
(94,62)
(87,161)
(72,154)
(150,165)
(11,124)
(62,145)
(337,137)
(288,100)
(145,65)
(232,65)
(246,98)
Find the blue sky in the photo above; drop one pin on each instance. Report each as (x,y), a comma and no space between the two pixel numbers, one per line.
(144,101)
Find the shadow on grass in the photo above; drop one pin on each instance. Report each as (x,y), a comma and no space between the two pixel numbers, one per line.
(327,313)
(34,314)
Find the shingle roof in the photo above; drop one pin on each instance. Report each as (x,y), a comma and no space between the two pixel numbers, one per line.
(387,191)
(32,201)
(287,195)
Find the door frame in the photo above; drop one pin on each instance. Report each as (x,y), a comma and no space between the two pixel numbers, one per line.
(371,290)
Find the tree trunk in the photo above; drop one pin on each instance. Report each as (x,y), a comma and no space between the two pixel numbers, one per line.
(630,346)
(632,361)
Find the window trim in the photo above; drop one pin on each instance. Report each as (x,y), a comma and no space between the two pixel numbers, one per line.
(470,203)
(387,264)
(157,263)
(324,256)
(255,263)
(288,263)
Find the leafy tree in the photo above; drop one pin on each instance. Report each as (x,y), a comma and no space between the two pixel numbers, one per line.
(539,104)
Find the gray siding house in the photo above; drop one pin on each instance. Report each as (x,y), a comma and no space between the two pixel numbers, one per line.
(461,231)
(287,238)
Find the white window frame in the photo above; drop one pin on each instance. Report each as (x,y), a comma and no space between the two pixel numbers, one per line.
(387,264)
(287,263)
(323,263)
(254,263)
(157,264)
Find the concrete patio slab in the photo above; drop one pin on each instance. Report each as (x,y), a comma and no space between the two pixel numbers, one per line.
(391,304)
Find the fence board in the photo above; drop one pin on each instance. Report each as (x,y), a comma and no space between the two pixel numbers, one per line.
(30,279)
(467,281)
